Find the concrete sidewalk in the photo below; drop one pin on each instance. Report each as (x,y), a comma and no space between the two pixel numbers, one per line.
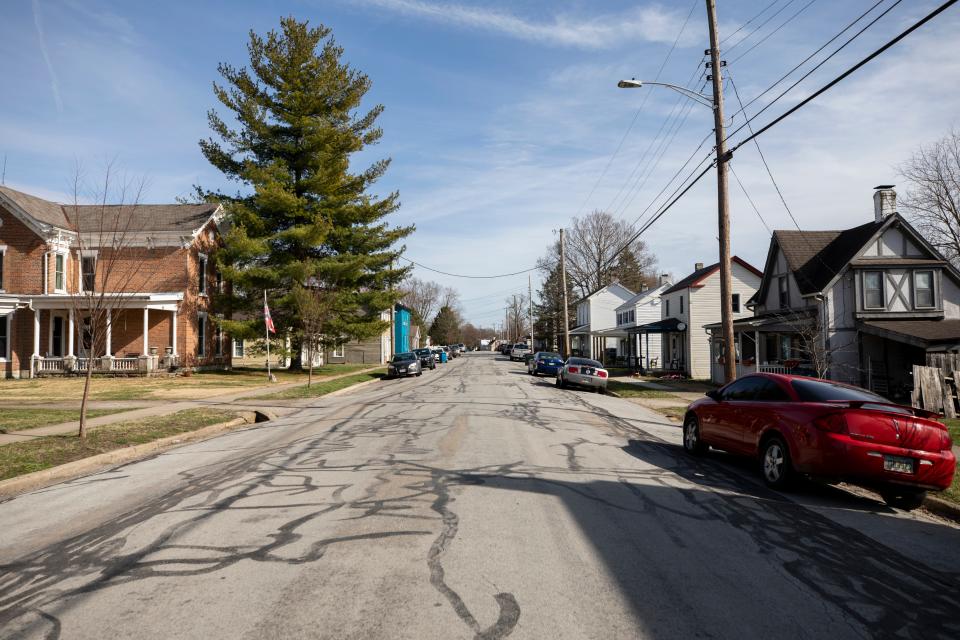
(151,408)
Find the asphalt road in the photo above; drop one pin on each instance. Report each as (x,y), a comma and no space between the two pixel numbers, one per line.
(473,502)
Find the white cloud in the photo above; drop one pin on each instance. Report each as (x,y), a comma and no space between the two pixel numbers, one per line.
(650,23)
(41,39)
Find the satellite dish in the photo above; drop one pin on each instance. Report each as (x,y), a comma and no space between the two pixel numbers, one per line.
(681,326)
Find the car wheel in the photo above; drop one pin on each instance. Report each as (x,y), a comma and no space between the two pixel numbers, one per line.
(775,463)
(692,443)
(419,373)
(903,498)
(560,384)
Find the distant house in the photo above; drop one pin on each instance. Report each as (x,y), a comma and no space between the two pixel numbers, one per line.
(163,316)
(868,302)
(641,309)
(596,318)
(688,306)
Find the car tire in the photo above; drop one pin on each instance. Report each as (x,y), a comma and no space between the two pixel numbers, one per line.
(775,464)
(903,498)
(560,383)
(419,373)
(692,443)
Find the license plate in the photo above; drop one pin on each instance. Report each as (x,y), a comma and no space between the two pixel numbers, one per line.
(898,464)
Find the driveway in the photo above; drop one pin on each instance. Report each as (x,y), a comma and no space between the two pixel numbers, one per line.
(473,502)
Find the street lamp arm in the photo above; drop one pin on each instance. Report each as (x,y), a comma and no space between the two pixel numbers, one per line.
(706,101)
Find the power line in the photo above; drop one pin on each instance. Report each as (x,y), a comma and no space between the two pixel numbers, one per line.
(747,23)
(767,37)
(759,26)
(839,78)
(809,57)
(461,275)
(749,199)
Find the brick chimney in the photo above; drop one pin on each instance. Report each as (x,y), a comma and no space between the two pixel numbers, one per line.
(884,202)
(698,266)
(664,279)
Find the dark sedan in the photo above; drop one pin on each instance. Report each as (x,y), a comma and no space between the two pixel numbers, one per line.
(427,359)
(544,363)
(805,426)
(404,364)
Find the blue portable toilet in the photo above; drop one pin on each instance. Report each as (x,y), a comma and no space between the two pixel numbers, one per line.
(401,329)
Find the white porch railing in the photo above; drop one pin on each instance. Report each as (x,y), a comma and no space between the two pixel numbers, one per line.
(126,364)
(83,364)
(744,369)
(773,368)
(48,365)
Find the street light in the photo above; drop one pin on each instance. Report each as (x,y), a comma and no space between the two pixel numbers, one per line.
(633,83)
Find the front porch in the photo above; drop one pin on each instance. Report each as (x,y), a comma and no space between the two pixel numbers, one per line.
(772,343)
(658,348)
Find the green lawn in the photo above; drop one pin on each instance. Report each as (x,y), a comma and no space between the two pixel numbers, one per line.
(953,493)
(673,413)
(20,419)
(322,388)
(19,458)
(627,390)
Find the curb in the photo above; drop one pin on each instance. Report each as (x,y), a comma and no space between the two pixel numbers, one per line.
(86,466)
(353,387)
(943,508)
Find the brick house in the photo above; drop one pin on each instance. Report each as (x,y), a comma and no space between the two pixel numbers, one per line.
(162,313)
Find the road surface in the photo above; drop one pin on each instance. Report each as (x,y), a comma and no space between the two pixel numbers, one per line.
(473,502)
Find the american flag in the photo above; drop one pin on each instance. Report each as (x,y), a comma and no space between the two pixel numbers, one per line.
(267,319)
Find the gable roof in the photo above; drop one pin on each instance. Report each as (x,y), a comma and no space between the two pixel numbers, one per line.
(607,286)
(695,278)
(144,218)
(646,293)
(815,257)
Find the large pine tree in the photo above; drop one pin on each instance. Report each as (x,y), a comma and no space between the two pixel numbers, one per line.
(304,217)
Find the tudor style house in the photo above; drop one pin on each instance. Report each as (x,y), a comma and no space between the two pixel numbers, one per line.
(859,305)
(689,305)
(160,313)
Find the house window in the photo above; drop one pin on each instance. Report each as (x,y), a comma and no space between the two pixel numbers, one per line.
(3,253)
(633,316)
(338,351)
(923,290)
(88,273)
(667,308)
(873,290)
(784,290)
(58,275)
(202,284)
(681,304)
(237,348)
(736,302)
(4,333)
(219,277)
(218,340)
(201,334)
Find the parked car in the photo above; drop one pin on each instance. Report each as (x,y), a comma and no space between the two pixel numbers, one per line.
(505,348)
(544,362)
(427,359)
(404,364)
(519,350)
(454,350)
(440,355)
(583,372)
(805,426)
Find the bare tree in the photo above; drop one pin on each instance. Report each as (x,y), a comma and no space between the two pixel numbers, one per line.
(423,297)
(932,200)
(111,266)
(517,315)
(600,250)
(315,309)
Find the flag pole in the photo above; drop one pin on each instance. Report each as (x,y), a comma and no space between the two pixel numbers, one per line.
(266,330)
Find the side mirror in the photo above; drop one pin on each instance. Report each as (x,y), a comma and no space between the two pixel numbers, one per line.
(714,394)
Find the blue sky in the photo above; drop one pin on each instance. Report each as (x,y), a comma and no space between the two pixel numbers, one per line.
(501,117)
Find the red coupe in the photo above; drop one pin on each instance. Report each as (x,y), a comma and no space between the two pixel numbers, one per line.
(798,425)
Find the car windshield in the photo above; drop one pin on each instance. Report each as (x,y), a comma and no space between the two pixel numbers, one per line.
(824,391)
(423,352)
(520,346)
(549,356)
(401,357)
(585,362)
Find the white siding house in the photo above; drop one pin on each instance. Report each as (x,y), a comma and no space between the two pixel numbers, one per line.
(596,317)
(643,308)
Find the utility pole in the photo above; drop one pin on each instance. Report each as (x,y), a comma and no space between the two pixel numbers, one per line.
(563,283)
(723,210)
(506,323)
(530,306)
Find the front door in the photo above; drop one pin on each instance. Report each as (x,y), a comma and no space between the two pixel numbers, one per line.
(57,337)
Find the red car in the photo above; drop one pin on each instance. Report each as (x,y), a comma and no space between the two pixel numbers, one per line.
(798,425)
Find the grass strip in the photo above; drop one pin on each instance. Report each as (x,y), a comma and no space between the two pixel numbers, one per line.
(673,413)
(28,456)
(22,419)
(322,388)
(628,390)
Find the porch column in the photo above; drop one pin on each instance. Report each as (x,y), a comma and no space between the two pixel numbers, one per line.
(71,327)
(36,332)
(648,350)
(146,329)
(756,347)
(174,345)
(108,346)
(739,335)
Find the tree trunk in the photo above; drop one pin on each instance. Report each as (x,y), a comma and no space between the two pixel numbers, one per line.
(310,355)
(83,402)
(296,354)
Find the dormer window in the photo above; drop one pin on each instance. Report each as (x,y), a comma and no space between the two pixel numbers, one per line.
(923,297)
(873,290)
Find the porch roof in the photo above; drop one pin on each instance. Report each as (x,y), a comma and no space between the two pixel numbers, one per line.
(612,332)
(769,321)
(668,325)
(162,301)
(920,333)
(583,329)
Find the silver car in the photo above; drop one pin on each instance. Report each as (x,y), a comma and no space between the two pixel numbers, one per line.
(519,350)
(583,372)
